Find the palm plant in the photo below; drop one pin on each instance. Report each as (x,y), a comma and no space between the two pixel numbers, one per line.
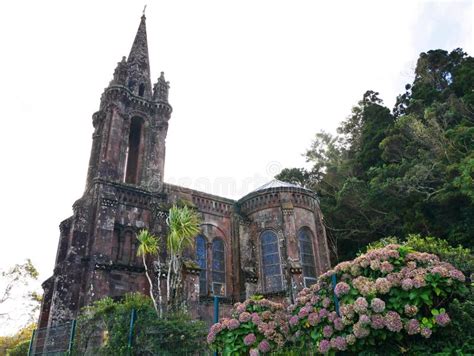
(149,247)
(183,225)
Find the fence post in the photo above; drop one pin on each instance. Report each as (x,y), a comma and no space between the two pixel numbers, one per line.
(216,313)
(133,316)
(71,336)
(30,348)
(216,309)
(336,300)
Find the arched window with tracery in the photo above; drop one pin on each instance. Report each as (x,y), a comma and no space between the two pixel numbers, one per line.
(134,152)
(201,259)
(218,267)
(305,242)
(271,265)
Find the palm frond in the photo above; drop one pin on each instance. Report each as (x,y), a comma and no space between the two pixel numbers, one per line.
(183,226)
(148,243)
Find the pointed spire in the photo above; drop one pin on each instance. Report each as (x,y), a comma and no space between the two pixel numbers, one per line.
(139,63)
(160,91)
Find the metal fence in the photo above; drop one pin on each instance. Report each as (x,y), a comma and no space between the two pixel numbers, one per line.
(66,339)
(57,340)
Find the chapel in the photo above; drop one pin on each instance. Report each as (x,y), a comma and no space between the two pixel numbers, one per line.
(271,241)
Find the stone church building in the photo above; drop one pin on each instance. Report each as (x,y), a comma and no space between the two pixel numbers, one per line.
(270,242)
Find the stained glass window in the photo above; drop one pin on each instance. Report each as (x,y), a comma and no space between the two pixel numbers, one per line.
(305,241)
(201,259)
(271,262)
(218,260)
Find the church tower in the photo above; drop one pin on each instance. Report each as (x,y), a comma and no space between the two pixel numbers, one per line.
(97,247)
(130,127)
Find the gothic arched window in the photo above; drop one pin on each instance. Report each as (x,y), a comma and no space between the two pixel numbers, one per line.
(271,266)
(134,151)
(305,242)
(218,267)
(201,259)
(141,89)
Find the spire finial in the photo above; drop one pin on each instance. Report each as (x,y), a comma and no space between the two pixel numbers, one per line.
(144,9)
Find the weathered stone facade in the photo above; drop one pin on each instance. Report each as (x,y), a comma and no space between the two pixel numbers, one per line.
(271,241)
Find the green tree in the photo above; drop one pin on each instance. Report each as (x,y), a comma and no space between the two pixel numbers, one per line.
(408,172)
(149,247)
(13,345)
(18,294)
(183,225)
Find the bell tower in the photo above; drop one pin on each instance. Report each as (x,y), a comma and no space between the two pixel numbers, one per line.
(132,122)
(124,189)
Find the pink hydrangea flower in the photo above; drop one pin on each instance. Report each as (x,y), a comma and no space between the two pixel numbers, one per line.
(360,305)
(313,319)
(407,284)
(323,313)
(377,321)
(393,321)
(328,331)
(383,285)
(211,337)
(250,339)
(233,324)
(324,346)
(442,319)
(375,265)
(347,310)
(364,319)
(351,339)
(264,346)
(410,310)
(360,331)
(244,317)
(342,288)
(240,307)
(338,324)
(386,267)
(412,327)
(256,319)
(377,305)
(426,332)
(339,343)
(294,320)
(254,352)
(458,275)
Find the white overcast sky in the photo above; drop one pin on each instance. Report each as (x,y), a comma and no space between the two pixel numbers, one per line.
(251,83)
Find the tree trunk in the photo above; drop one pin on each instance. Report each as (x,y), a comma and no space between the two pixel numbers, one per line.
(151,284)
(160,297)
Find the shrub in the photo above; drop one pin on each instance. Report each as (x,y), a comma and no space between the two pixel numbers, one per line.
(107,323)
(460,257)
(20,350)
(388,296)
(257,325)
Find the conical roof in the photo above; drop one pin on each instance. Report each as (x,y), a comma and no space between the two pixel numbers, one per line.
(275,183)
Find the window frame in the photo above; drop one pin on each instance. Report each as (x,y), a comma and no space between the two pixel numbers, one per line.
(266,288)
(222,282)
(307,231)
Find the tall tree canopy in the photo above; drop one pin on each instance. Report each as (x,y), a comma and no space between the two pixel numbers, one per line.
(406,171)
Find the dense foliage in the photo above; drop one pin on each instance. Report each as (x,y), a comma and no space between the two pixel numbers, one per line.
(401,172)
(385,301)
(256,325)
(16,344)
(103,329)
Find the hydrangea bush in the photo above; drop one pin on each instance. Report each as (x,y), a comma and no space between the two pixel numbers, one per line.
(256,326)
(391,293)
